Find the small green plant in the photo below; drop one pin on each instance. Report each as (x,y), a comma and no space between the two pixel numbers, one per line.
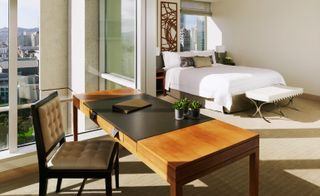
(228,60)
(194,105)
(181,104)
(185,102)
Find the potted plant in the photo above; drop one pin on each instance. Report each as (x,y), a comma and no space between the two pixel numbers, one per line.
(179,108)
(228,61)
(185,104)
(194,109)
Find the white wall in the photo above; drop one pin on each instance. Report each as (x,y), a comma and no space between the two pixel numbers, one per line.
(77,45)
(150,46)
(281,35)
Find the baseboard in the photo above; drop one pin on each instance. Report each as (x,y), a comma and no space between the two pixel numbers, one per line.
(12,174)
(311,97)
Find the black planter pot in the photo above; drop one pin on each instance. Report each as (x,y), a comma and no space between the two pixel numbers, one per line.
(179,114)
(194,113)
(186,112)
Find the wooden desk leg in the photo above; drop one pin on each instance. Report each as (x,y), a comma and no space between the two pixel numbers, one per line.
(75,123)
(175,189)
(254,174)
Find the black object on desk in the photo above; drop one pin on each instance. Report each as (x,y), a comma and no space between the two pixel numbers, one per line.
(151,121)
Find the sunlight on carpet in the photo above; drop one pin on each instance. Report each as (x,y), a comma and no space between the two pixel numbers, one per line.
(309,175)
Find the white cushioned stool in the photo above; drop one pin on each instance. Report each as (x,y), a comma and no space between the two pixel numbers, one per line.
(271,94)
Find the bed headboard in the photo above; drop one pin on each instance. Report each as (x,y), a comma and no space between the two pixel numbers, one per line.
(159,62)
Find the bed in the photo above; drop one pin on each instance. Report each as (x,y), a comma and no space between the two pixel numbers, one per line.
(219,87)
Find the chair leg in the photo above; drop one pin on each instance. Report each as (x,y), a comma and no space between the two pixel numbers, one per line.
(59,185)
(82,186)
(116,171)
(108,182)
(43,183)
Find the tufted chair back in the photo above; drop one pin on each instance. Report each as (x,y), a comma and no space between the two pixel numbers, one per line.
(48,125)
(51,123)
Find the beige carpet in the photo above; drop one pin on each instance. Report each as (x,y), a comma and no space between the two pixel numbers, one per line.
(289,154)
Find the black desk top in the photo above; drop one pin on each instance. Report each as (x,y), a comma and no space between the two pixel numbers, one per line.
(154,120)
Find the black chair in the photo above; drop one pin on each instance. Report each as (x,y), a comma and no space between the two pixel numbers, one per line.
(60,159)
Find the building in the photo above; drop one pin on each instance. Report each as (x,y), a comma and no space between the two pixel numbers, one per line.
(201,45)
(35,39)
(4,90)
(3,50)
(185,39)
(28,81)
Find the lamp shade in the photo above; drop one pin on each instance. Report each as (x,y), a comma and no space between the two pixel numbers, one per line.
(221,49)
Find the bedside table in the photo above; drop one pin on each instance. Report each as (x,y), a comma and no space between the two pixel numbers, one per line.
(229,63)
(160,77)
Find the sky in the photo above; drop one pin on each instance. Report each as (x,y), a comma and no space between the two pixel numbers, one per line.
(28,13)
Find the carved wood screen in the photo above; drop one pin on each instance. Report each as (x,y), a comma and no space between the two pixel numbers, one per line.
(169,26)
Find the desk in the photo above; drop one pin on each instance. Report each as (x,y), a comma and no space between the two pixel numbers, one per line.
(186,154)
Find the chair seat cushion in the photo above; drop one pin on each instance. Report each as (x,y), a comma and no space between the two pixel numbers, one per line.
(86,155)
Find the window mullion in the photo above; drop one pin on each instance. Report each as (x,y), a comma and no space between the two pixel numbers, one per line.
(13,112)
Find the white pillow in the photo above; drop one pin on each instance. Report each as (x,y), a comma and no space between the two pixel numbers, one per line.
(205,53)
(171,59)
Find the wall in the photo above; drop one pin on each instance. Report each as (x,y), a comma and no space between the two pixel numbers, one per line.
(92,45)
(150,46)
(281,35)
(53,44)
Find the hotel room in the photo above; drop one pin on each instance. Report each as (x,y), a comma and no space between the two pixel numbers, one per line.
(159,97)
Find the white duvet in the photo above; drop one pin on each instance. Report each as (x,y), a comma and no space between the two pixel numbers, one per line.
(220,82)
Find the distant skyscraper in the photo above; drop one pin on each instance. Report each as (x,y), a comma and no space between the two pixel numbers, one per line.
(24,39)
(185,39)
(194,38)
(35,39)
(201,34)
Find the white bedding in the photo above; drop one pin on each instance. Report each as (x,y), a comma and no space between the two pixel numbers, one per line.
(220,82)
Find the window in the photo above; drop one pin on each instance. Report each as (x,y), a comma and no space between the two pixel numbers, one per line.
(21,17)
(4,77)
(120,41)
(194,25)
(28,66)
(193,32)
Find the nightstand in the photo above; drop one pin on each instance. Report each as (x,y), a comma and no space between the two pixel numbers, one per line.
(161,81)
(229,63)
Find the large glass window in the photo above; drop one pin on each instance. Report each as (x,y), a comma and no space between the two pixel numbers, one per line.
(193,32)
(28,66)
(120,35)
(4,77)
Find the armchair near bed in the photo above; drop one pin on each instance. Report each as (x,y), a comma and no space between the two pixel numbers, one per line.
(217,86)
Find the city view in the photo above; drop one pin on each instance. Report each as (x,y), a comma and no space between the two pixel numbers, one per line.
(192,32)
(27,69)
